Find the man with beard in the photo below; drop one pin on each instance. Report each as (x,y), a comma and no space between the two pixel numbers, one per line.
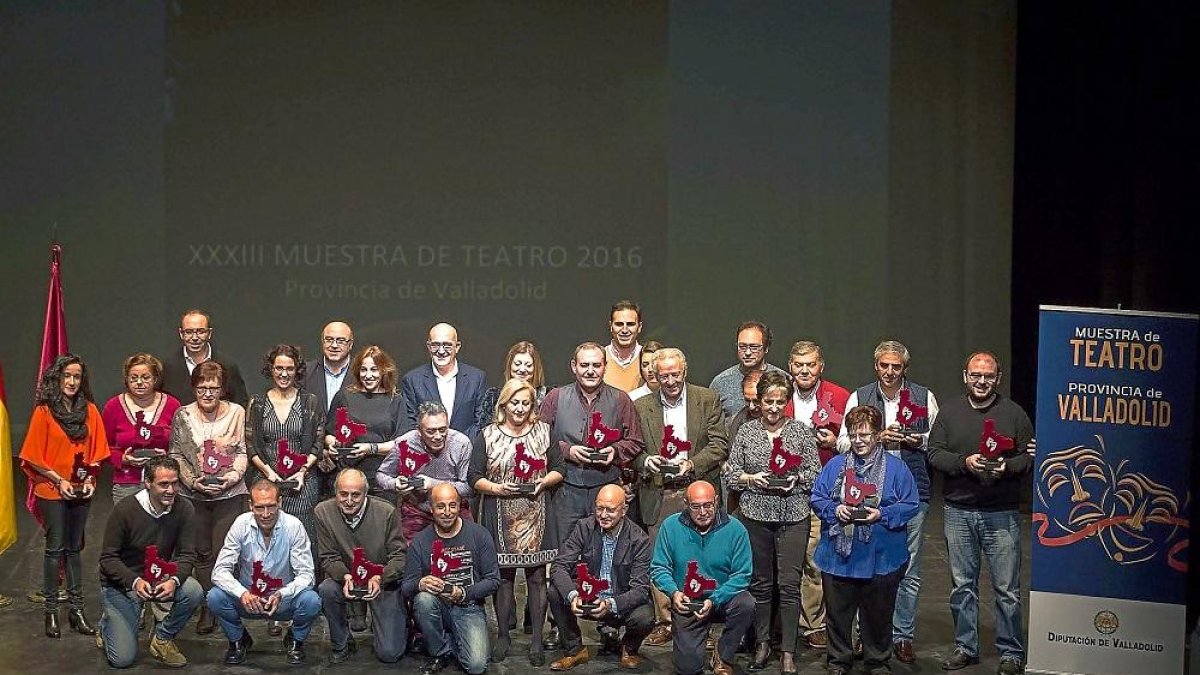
(353,519)
(154,517)
(454,384)
(623,353)
(982,509)
(448,593)
(753,341)
(196,335)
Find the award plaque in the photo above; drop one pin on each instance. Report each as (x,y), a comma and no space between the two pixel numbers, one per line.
(827,416)
(441,562)
(781,464)
(361,571)
(992,445)
(345,430)
(288,464)
(408,463)
(157,570)
(600,437)
(589,588)
(214,464)
(696,586)
(148,438)
(908,415)
(858,495)
(670,450)
(81,472)
(263,584)
(527,468)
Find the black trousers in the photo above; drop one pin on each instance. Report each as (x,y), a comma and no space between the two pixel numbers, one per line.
(690,633)
(638,623)
(65,521)
(874,601)
(777,552)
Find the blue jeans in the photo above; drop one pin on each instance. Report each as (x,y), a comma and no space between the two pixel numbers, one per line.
(904,619)
(998,535)
(119,623)
(300,609)
(462,628)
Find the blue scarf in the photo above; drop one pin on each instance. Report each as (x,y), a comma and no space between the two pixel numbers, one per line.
(870,469)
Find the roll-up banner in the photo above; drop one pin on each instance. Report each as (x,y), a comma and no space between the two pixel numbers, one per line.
(1115,403)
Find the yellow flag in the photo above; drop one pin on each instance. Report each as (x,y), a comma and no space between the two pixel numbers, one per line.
(8,504)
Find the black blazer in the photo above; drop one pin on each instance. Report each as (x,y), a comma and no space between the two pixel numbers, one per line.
(177,381)
(420,385)
(314,383)
(630,563)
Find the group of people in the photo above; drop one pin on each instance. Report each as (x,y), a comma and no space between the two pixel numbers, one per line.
(774,501)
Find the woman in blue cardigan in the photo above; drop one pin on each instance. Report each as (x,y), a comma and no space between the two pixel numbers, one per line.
(864,549)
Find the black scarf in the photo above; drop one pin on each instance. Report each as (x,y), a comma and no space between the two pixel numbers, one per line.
(72,416)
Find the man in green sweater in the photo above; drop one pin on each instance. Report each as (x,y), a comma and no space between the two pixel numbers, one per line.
(703,533)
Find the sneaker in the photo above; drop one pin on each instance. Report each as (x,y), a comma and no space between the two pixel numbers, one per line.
(5,601)
(959,659)
(167,653)
(1010,666)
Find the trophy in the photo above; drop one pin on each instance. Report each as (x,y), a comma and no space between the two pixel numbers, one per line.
(361,571)
(600,436)
(526,468)
(287,465)
(147,440)
(908,415)
(263,584)
(441,562)
(345,430)
(157,570)
(670,450)
(992,445)
(214,464)
(781,464)
(696,586)
(827,416)
(81,472)
(858,495)
(408,463)
(589,588)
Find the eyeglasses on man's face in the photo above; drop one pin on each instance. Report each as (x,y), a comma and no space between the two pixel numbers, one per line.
(336,341)
(982,377)
(699,507)
(749,348)
(194,332)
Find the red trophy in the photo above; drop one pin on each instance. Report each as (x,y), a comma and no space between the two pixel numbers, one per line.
(696,586)
(827,416)
(156,569)
(361,571)
(589,588)
(858,494)
(600,436)
(81,472)
(670,450)
(263,584)
(908,415)
(781,464)
(287,465)
(147,440)
(526,468)
(992,445)
(345,430)
(408,463)
(214,464)
(441,563)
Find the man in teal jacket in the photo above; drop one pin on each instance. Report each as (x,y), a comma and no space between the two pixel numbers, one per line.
(704,534)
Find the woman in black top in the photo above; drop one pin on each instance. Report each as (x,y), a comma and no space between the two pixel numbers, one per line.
(371,399)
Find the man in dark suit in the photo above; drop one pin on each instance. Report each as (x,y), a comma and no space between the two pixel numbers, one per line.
(454,384)
(618,552)
(196,334)
(695,415)
(337,342)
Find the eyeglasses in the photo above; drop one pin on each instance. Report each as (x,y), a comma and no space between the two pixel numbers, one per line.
(194,332)
(284,370)
(860,437)
(702,506)
(336,342)
(980,377)
(605,510)
(208,391)
(134,379)
(441,346)
(753,349)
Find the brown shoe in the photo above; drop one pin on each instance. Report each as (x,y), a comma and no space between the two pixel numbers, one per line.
(571,660)
(711,643)
(719,667)
(817,640)
(629,660)
(659,637)
(904,651)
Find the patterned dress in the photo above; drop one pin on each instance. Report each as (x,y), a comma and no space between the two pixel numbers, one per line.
(524,528)
(304,430)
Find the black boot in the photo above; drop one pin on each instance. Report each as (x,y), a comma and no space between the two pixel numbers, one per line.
(52,629)
(79,623)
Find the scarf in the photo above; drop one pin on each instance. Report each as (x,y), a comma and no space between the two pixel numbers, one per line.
(870,469)
(72,416)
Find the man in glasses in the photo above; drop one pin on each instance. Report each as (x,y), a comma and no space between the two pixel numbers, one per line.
(719,545)
(982,510)
(454,384)
(753,342)
(196,335)
(337,343)
(618,552)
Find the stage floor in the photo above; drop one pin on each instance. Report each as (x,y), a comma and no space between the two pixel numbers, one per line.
(23,648)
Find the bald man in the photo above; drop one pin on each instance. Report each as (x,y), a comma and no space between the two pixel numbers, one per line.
(705,534)
(349,520)
(454,384)
(448,599)
(337,343)
(617,551)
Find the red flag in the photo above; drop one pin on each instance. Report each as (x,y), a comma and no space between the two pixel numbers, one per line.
(54,331)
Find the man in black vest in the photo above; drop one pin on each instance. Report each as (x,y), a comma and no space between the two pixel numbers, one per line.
(196,334)
(910,443)
(568,410)
(618,552)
